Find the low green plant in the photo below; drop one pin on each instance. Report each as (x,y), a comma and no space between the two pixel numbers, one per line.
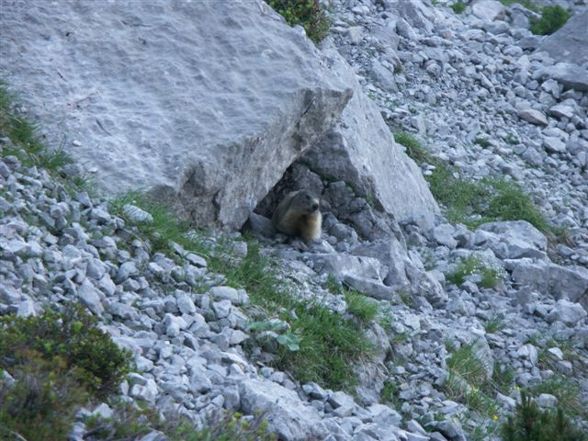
(27,146)
(389,393)
(414,148)
(458,7)
(482,142)
(552,18)
(467,381)
(71,336)
(472,265)
(329,346)
(42,402)
(530,423)
(360,306)
(59,361)
(493,325)
(307,13)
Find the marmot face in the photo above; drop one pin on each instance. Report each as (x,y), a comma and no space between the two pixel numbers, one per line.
(298,215)
(304,203)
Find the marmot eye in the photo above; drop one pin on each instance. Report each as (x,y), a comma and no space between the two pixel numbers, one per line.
(315,206)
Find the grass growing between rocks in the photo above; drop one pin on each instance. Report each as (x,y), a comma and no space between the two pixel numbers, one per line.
(59,362)
(467,381)
(489,277)
(307,13)
(329,344)
(474,202)
(25,144)
(531,6)
(552,18)
(458,7)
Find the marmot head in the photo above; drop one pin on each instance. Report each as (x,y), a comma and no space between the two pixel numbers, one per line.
(305,202)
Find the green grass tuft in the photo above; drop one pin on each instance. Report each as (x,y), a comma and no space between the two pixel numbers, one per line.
(552,18)
(307,13)
(490,277)
(458,7)
(526,3)
(360,306)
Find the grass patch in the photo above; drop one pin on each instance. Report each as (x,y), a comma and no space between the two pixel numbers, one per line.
(530,423)
(467,381)
(329,344)
(307,13)
(482,142)
(59,362)
(474,202)
(389,394)
(489,277)
(458,7)
(494,325)
(361,307)
(552,18)
(28,147)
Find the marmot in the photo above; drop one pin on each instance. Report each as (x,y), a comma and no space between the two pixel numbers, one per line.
(298,215)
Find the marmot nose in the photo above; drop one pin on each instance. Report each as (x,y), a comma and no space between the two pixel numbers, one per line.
(315,206)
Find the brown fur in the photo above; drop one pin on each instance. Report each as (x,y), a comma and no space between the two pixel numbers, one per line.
(298,215)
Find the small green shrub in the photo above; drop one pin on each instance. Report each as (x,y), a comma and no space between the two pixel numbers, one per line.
(482,142)
(552,18)
(472,265)
(566,391)
(41,404)
(389,393)
(493,325)
(458,7)
(510,202)
(307,13)
(71,336)
(361,307)
(530,423)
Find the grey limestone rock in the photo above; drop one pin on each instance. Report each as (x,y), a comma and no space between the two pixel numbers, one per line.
(169,99)
(570,75)
(489,10)
(570,42)
(361,150)
(533,116)
(286,415)
(567,312)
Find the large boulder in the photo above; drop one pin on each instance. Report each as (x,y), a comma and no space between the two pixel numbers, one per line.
(570,42)
(361,150)
(204,103)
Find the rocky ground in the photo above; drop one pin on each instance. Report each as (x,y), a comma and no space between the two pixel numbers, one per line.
(451,355)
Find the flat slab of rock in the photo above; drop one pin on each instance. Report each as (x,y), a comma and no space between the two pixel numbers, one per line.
(553,279)
(286,415)
(570,75)
(570,42)
(533,116)
(489,10)
(204,103)
(361,150)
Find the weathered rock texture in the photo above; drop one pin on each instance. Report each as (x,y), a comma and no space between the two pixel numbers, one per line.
(362,151)
(570,43)
(207,103)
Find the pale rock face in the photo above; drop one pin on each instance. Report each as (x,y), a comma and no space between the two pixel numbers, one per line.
(204,103)
(489,10)
(570,43)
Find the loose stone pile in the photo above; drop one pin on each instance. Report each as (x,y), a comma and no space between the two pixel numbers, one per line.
(452,80)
